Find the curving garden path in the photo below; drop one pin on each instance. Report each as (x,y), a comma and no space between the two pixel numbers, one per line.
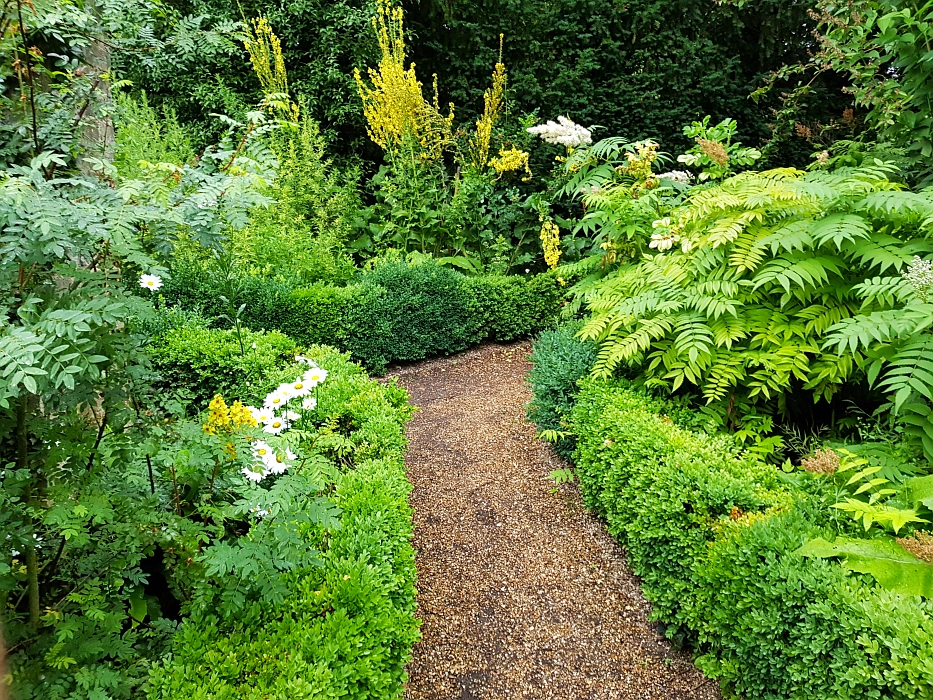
(521,592)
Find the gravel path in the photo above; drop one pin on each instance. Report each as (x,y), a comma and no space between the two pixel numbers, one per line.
(522,594)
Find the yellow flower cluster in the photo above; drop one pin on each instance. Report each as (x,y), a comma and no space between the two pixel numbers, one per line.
(265,53)
(510,160)
(494,101)
(394,106)
(227,420)
(550,241)
(640,160)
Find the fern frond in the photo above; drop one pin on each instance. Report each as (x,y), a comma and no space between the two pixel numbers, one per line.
(910,371)
(839,228)
(881,252)
(864,330)
(820,317)
(797,271)
(884,291)
(726,371)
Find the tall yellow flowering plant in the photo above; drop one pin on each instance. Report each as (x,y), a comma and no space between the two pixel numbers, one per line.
(265,55)
(394,106)
(421,205)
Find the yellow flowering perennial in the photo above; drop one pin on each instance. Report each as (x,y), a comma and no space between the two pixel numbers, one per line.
(494,101)
(510,160)
(265,53)
(224,419)
(550,241)
(394,106)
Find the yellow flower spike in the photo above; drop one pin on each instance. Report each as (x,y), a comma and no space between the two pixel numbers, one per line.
(494,101)
(265,54)
(511,160)
(550,242)
(394,106)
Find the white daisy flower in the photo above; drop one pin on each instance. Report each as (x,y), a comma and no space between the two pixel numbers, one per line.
(315,375)
(276,464)
(275,400)
(291,416)
(252,475)
(275,426)
(260,415)
(258,511)
(309,404)
(150,282)
(300,387)
(262,450)
(286,392)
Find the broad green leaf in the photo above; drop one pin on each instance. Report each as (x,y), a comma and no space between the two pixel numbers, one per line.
(891,565)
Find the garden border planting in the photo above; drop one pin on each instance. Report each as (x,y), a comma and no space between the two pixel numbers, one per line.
(713,533)
(345,628)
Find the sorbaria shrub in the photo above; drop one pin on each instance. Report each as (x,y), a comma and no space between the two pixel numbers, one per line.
(714,532)
(750,276)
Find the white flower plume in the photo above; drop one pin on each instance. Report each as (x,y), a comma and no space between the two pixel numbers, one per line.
(563,132)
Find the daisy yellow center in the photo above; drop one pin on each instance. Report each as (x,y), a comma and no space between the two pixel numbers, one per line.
(277,424)
(261,453)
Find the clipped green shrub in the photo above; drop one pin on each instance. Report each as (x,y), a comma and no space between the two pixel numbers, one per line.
(559,360)
(398,311)
(202,362)
(347,626)
(425,309)
(511,307)
(713,534)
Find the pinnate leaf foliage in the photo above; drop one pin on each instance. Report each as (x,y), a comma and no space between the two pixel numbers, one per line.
(790,278)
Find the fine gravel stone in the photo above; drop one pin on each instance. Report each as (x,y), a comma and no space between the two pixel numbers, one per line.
(522,593)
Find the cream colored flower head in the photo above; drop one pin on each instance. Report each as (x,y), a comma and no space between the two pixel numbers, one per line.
(150,282)
(315,376)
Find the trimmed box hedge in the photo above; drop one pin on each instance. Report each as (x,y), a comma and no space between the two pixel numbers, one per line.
(713,534)
(398,311)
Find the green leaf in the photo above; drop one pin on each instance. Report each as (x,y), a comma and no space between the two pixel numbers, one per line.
(891,565)
(138,607)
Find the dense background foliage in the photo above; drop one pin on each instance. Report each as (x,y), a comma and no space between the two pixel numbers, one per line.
(196,198)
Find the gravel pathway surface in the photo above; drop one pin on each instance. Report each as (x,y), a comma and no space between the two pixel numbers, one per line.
(521,592)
